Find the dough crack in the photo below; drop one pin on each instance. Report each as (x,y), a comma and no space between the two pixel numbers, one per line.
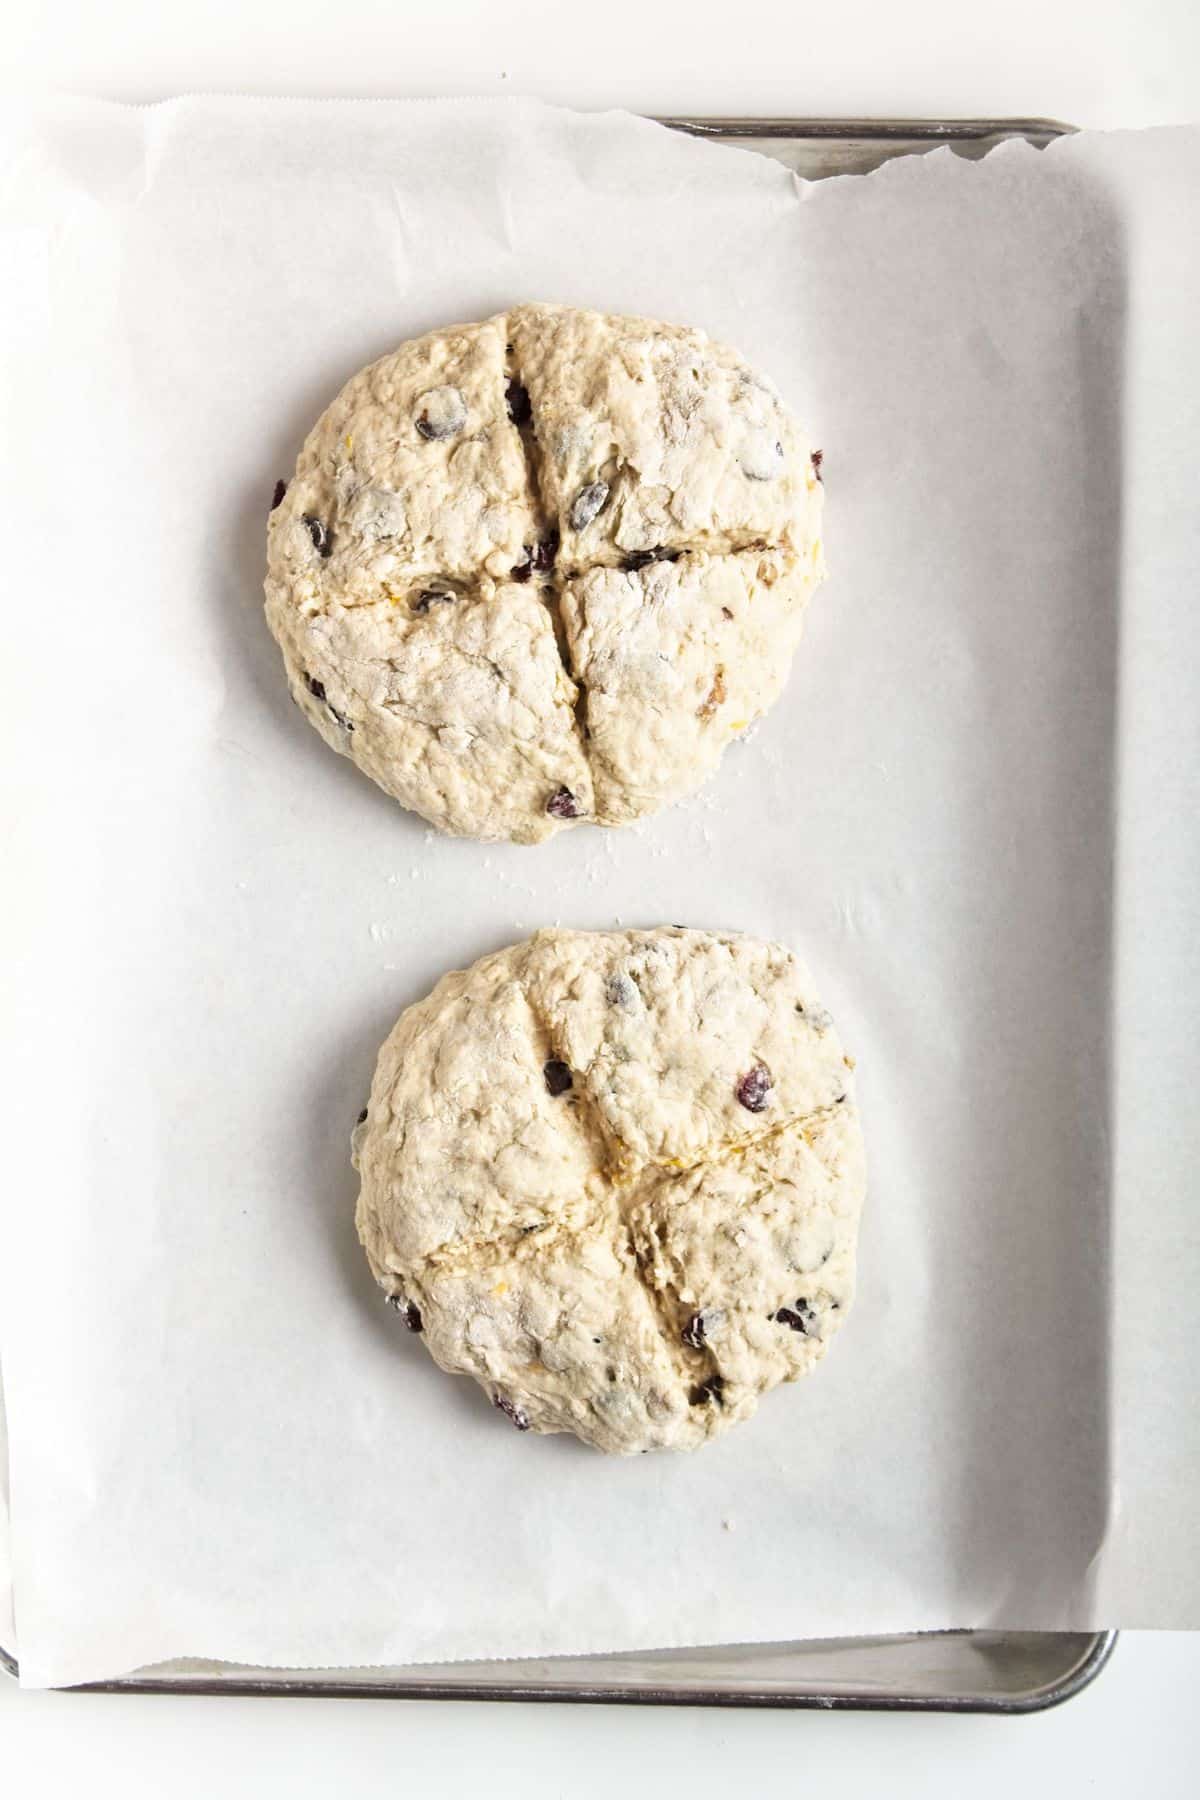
(581,1108)
(550,579)
(730,1147)
(504,1244)
(516,400)
(684,1362)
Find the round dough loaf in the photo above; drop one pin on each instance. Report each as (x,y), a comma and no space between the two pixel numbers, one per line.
(543,569)
(616,1177)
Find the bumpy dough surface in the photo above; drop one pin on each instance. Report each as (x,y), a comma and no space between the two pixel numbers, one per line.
(616,1177)
(543,569)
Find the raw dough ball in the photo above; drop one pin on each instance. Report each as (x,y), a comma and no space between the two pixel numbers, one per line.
(616,1177)
(543,569)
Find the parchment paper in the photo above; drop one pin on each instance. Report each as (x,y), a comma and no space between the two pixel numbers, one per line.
(973,812)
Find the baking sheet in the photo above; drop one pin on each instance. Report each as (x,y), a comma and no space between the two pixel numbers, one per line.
(221,1444)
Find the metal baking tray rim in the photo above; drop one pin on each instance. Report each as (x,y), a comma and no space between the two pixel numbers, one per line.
(1096,1648)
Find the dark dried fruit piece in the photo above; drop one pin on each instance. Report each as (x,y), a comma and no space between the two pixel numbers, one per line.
(516,398)
(362,1117)
(801,1319)
(589,501)
(818,457)
(443,413)
(545,552)
(317,690)
(619,990)
(562,804)
(520,1419)
(704,1391)
(280,491)
(754,1089)
(408,1312)
(693,1331)
(558,1077)
(535,558)
(638,559)
(320,534)
(431,597)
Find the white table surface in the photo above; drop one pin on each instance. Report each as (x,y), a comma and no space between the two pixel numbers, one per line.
(1092,62)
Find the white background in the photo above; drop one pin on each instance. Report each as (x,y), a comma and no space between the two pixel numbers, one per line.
(1098,64)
